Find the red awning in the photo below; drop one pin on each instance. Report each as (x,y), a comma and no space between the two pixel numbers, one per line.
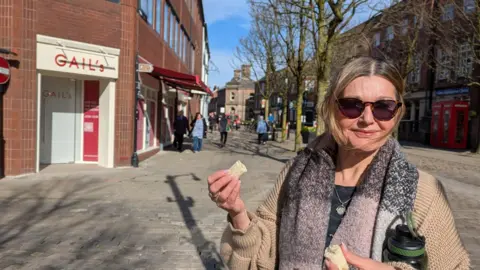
(178,79)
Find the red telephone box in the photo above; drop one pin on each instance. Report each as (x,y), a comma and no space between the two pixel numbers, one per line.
(449,124)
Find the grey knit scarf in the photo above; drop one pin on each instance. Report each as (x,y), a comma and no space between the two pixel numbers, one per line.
(386,193)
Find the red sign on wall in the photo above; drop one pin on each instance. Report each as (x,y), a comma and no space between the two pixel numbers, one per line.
(90,120)
(4,71)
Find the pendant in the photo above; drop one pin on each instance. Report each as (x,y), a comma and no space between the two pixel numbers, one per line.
(340,210)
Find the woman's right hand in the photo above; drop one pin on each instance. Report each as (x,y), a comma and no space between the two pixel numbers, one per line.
(224,190)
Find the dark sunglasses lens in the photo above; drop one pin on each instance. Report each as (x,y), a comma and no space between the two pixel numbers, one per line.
(350,107)
(384,109)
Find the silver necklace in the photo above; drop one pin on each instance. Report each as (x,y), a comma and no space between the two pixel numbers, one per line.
(341,209)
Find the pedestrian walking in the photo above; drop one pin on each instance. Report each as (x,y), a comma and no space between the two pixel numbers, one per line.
(223,127)
(180,126)
(198,128)
(212,121)
(262,129)
(351,186)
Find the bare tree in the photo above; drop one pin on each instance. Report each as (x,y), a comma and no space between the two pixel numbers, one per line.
(260,48)
(291,20)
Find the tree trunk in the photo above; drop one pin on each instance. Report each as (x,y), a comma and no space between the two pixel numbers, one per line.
(267,108)
(284,120)
(298,130)
(321,91)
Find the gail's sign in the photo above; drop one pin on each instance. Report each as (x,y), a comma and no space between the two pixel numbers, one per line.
(70,59)
(62,60)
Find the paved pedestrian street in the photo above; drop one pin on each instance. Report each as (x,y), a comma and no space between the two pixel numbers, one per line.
(159,216)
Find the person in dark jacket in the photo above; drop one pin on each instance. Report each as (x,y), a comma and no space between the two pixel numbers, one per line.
(223,128)
(180,125)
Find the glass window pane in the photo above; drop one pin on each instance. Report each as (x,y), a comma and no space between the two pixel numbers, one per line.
(172,29)
(158,18)
(165,23)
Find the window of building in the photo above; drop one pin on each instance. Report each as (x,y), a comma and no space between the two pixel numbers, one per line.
(165,22)
(146,10)
(414,75)
(389,33)
(404,26)
(179,38)
(469,6)
(465,60)
(418,22)
(376,39)
(115,1)
(158,19)
(448,12)
(173,21)
(232,96)
(180,45)
(193,60)
(443,64)
(185,53)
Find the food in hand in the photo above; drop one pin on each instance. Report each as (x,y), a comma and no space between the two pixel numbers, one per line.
(237,169)
(335,255)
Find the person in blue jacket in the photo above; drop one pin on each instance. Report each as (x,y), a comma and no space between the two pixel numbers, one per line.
(262,129)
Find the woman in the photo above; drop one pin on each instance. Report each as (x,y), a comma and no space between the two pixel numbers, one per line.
(198,128)
(262,130)
(349,186)
(223,128)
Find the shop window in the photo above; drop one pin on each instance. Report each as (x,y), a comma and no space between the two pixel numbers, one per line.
(448,12)
(146,10)
(165,22)
(158,19)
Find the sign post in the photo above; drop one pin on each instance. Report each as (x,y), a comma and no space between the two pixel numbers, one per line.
(4,78)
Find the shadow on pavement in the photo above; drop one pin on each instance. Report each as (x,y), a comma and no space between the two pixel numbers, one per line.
(54,225)
(207,250)
(251,147)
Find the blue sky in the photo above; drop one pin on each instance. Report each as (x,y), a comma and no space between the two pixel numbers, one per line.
(228,21)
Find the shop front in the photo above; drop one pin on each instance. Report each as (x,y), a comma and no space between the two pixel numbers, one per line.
(76,102)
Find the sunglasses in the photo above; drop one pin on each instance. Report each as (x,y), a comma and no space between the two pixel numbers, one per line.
(382,110)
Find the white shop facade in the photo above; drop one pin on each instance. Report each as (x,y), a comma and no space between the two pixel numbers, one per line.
(76,102)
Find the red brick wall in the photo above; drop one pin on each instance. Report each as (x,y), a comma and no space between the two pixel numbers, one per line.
(90,21)
(124,101)
(18,29)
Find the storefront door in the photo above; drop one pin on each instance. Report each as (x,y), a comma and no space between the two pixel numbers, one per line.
(57,139)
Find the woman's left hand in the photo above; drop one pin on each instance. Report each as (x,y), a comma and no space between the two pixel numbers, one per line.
(359,262)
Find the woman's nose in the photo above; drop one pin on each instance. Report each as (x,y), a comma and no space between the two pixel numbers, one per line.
(367,116)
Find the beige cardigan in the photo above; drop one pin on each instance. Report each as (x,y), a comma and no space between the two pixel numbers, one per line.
(255,248)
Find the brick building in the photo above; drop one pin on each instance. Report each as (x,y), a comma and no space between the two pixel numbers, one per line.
(233,99)
(71,96)
(390,33)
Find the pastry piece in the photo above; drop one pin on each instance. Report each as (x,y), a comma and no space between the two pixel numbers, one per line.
(237,169)
(335,255)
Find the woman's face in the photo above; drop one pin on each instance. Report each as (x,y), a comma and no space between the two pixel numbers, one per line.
(199,116)
(366,133)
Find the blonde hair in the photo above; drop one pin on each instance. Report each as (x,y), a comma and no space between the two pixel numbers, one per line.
(359,67)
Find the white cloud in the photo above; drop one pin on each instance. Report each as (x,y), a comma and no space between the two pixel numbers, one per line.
(223,70)
(219,10)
